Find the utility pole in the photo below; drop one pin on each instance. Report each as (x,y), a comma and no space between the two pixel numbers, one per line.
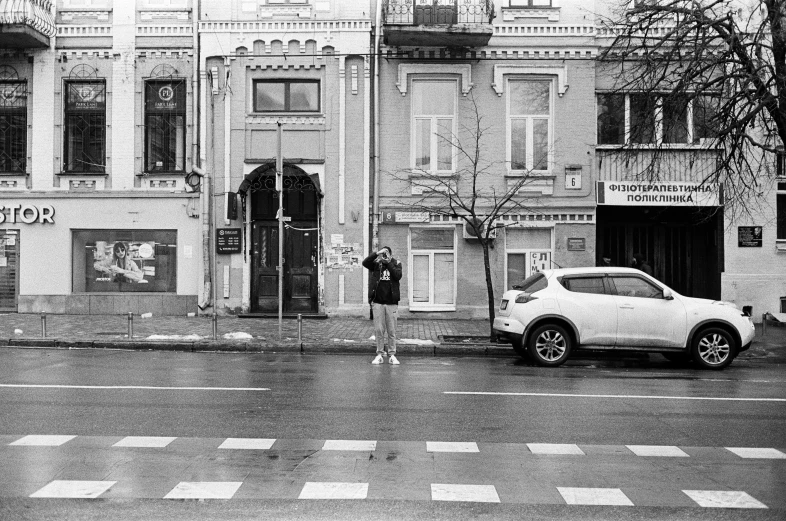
(280,214)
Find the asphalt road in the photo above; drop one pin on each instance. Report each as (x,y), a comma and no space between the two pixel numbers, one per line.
(637,432)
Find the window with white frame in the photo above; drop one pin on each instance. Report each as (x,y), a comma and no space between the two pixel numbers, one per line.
(642,118)
(530,3)
(432,262)
(528,251)
(434,124)
(529,124)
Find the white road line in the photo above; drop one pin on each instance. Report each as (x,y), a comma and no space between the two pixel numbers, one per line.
(124,387)
(621,396)
(453,492)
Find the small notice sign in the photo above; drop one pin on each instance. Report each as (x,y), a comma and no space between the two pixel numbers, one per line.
(749,236)
(228,240)
(577,244)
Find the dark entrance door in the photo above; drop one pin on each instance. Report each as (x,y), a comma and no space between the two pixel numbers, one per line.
(9,270)
(301,241)
(684,246)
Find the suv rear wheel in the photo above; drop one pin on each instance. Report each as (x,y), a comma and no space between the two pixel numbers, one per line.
(550,345)
(713,348)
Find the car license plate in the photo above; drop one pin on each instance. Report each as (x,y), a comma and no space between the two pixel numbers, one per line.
(504,305)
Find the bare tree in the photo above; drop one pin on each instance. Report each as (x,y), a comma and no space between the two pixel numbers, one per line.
(721,61)
(476,192)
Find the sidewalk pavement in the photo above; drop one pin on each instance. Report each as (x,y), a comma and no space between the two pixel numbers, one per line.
(335,335)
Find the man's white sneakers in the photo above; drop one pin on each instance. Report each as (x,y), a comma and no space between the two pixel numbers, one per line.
(379,359)
(393,360)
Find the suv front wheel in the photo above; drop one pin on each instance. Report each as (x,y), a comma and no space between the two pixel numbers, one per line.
(713,348)
(550,345)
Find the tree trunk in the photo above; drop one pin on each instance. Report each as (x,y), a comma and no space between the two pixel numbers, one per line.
(489,287)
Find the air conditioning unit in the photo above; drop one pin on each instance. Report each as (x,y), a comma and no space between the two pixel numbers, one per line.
(469,231)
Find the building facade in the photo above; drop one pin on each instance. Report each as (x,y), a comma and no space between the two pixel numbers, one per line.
(97,135)
(301,67)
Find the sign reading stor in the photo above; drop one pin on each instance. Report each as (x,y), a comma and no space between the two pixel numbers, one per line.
(27,214)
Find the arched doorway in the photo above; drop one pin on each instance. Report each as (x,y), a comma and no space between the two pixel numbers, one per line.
(301,239)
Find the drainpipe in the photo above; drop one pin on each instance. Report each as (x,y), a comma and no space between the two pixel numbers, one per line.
(375,100)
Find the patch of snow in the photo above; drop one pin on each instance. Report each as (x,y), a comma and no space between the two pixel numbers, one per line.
(372,337)
(238,336)
(174,337)
(18,331)
(146,315)
(416,342)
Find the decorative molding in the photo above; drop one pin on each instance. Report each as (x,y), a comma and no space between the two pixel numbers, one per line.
(13,182)
(168,54)
(501,70)
(524,220)
(536,186)
(163,183)
(498,53)
(85,184)
(282,66)
(354,79)
(509,14)
(100,15)
(84,31)
(544,30)
(85,53)
(151,15)
(290,120)
(288,27)
(462,69)
(165,30)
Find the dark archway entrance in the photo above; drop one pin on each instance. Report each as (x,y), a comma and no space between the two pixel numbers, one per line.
(684,246)
(301,239)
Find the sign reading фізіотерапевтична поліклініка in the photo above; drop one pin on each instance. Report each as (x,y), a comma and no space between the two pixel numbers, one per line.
(660,193)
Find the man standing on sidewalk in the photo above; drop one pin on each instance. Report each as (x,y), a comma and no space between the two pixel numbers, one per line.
(384,296)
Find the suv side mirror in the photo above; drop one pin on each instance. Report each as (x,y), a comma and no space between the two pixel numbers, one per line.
(667,294)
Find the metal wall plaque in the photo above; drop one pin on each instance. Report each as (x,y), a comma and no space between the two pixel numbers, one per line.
(228,240)
(749,236)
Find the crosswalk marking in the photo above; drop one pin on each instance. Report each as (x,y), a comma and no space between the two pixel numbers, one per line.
(594,496)
(333,490)
(42,440)
(757,453)
(74,489)
(667,451)
(145,441)
(204,490)
(359,445)
(247,443)
(555,448)
(451,446)
(474,493)
(724,499)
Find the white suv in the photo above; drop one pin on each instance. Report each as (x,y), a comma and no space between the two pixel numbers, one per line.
(556,311)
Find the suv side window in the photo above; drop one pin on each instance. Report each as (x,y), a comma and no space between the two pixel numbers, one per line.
(584,285)
(631,286)
(533,283)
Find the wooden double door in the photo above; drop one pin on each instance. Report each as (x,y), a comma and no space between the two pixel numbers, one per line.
(300,267)
(301,245)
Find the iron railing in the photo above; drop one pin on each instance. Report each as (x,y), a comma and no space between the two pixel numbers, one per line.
(438,12)
(34,13)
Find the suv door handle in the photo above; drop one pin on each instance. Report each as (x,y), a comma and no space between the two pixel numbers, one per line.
(626,306)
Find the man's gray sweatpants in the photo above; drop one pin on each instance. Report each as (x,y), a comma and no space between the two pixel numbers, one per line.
(385,318)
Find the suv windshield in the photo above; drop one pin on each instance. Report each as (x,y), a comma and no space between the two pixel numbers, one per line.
(533,283)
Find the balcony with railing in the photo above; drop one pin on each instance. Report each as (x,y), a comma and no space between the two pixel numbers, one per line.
(26,24)
(438,23)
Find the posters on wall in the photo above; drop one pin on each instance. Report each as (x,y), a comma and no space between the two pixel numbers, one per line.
(342,255)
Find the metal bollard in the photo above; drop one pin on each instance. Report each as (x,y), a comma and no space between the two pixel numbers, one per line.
(130,325)
(43,324)
(215,325)
(300,331)
(764,324)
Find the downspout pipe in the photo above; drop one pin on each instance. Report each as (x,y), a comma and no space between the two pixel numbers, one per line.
(375,101)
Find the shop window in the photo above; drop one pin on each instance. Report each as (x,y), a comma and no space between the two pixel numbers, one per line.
(165,126)
(125,261)
(433,124)
(85,127)
(13,126)
(433,269)
(529,124)
(286,96)
(651,119)
(528,251)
